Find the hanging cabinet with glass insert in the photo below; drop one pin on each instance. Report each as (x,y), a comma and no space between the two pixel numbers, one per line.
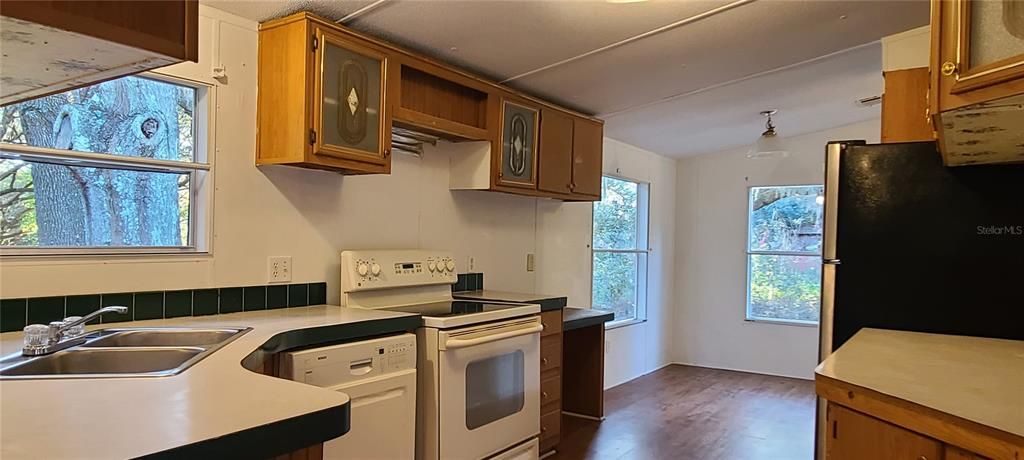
(322,98)
(977,80)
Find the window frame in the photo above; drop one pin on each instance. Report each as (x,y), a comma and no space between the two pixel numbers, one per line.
(200,171)
(642,251)
(748,254)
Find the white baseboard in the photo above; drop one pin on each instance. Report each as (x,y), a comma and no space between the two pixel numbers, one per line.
(641,375)
(723,368)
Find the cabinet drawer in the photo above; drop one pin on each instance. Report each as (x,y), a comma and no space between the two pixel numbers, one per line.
(552,321)
(550,425)
(550,390)
(550,352)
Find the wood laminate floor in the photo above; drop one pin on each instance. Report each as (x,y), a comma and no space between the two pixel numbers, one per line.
(685,412)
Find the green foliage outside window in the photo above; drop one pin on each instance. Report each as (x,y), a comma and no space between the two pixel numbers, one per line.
(784,253)
(618,226)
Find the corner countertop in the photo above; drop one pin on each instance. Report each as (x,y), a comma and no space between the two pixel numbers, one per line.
(973,378)
(209,410)
(547,302)
(576,317)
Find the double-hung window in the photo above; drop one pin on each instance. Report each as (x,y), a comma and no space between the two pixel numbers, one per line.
(620,250)
(116,167)
(784,254)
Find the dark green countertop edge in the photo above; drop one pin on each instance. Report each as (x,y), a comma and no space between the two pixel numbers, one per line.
(268,441)
(576,318)
(546,303)
(333,334)
(289,435)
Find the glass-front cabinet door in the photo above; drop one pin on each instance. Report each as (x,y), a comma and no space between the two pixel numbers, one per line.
(350,115)
(989,43)
(518,155)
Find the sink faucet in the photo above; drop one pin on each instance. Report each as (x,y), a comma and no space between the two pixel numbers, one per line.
(54,340)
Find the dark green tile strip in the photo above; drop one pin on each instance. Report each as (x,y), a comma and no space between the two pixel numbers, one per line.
(277,297)
(15,314)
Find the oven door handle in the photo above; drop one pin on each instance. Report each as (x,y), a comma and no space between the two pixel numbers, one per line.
(452,344)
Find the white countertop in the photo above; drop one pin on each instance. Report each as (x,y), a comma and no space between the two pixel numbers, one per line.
(128,417)
(976,379)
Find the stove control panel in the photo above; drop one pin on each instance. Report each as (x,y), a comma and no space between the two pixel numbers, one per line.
(383,269)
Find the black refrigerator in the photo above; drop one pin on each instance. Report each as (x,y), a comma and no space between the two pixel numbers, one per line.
(913,245)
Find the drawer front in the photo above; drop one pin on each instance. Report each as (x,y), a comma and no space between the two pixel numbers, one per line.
(550,390)
(552,321)
(550,428)
(550,352)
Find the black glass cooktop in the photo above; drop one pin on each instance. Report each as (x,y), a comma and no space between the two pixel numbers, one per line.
(452,308)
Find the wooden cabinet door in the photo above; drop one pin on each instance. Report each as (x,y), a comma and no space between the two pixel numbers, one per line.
(855,436)
(554,158)
(587,145)
(351,119)
(979,51)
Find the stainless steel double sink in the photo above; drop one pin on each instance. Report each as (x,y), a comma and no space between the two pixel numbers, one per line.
(124,352)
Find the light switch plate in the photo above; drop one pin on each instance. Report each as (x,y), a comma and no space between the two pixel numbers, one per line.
(279,269)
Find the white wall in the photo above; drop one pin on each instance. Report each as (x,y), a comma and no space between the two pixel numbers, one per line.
(312,215)
(564,263)
(711,216)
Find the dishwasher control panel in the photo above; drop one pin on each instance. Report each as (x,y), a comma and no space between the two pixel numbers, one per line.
(340,364)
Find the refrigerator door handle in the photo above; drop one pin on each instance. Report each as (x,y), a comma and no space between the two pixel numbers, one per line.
(831,261)
(831,217)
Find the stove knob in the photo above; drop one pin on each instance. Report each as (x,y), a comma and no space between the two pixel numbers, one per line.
(375,269)
(432,266)
(450,265)
(363,269)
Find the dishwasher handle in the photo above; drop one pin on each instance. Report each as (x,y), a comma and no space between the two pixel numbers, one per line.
(452,344)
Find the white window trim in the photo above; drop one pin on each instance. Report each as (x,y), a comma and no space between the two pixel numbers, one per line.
(643,254)
(748,253)
(200,180)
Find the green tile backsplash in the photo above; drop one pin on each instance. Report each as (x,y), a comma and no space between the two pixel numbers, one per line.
(16,313)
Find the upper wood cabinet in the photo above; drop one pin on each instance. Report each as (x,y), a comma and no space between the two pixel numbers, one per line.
(322,98)
(53,46)
(329,97)
(977,80)
(587,157)
(555,164)
(570,156)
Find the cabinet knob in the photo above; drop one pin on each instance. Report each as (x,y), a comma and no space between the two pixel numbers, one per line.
(922,458)
(948,68)
(544,395)
(543,360)
(543,429)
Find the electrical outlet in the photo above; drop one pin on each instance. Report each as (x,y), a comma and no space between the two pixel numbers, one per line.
(279,269)
(530,262)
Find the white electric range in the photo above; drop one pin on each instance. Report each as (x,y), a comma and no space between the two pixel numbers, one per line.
(478,363)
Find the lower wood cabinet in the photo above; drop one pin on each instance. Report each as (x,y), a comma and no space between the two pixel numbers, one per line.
(855,436)
(550,380)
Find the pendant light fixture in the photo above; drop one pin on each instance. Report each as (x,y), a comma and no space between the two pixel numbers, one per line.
(768,145)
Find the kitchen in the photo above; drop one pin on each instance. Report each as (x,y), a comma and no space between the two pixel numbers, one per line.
(258,213)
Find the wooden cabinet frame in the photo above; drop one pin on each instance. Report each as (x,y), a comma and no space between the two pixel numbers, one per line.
(324,37)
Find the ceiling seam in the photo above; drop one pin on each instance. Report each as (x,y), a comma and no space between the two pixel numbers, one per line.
(664,28)
(734,81)
(360,12)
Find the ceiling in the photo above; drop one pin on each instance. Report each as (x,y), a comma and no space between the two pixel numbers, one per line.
(675,77)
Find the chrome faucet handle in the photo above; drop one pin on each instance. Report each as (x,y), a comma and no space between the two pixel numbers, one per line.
(54,333)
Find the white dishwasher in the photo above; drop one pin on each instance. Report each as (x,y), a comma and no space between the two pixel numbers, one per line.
(379,376)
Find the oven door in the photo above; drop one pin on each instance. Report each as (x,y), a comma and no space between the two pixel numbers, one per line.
(489,388)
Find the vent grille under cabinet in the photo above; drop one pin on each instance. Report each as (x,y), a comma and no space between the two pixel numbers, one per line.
(410,142)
